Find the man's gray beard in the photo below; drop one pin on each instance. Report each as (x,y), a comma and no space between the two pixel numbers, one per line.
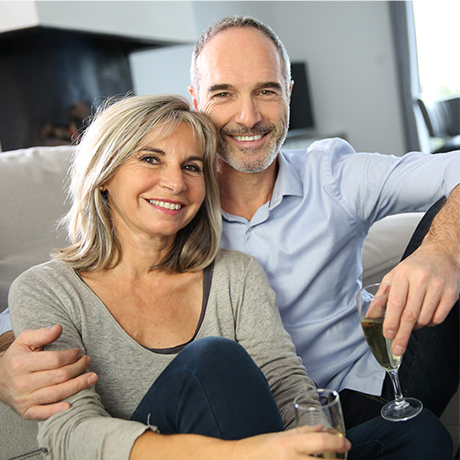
(245,166)
(248,166)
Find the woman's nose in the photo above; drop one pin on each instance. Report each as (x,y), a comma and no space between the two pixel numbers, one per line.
(173,179)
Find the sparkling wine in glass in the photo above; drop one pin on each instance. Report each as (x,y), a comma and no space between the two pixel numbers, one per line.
(372,302)
(328,412)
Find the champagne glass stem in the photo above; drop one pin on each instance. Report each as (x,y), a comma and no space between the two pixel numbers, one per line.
(400,403)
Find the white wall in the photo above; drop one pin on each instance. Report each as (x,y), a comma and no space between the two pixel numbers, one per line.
(351,62)
(150,20)
(352,67)
(18,15)
(168,70)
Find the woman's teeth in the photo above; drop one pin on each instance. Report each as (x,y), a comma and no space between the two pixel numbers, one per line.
(166,204)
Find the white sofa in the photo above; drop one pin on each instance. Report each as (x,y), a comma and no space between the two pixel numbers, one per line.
(32,199)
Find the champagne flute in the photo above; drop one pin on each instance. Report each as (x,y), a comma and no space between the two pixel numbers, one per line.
(328,412)
(372,302)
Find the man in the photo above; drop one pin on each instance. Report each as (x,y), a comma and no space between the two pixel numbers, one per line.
(304,217)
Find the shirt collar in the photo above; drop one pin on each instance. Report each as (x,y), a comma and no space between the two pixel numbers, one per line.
(288,181)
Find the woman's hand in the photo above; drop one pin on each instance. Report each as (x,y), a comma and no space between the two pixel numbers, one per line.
(296,444)
(299,443)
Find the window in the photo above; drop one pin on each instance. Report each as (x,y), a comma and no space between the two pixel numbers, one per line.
(437,37)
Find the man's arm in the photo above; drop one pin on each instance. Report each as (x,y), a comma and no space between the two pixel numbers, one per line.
(34,382)
(6,340)
(426,285)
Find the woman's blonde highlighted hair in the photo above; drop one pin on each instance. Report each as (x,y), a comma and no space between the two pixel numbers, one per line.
(112,138)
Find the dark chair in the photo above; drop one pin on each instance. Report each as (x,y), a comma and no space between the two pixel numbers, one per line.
(442,118)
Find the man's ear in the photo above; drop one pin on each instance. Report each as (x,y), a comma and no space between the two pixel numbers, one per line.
(191,90)
(290,89)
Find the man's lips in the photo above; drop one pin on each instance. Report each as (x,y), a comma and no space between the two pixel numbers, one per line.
(248,140)
(252,138)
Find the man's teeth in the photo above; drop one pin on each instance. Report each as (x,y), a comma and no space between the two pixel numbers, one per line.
(248,138)
(166,204)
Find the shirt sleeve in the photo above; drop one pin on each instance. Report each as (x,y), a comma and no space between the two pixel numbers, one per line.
(85,430)
(5,323)
(260,331)
(373,185)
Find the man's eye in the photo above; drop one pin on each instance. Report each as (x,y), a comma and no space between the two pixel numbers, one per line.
(267,92)
(223,94)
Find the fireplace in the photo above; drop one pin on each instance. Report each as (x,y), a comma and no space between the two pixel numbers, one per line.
(46,75)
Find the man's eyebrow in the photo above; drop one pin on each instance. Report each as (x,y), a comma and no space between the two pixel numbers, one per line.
(219,87)
(270,84)
(226,86)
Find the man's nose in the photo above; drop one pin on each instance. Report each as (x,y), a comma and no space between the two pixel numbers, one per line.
(248,113)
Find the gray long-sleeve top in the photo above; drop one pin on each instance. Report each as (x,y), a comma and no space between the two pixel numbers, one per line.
(241,306)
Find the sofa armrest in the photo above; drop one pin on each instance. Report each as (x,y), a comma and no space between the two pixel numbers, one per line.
(18,437)
(386,243)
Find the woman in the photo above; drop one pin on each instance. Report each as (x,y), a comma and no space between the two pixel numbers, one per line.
(145,292)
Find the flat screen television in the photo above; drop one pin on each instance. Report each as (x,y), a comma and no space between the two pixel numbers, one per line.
(301,120)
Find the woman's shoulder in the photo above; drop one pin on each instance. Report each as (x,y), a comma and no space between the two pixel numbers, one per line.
(46,268)
(231,257)
(236,264)
(50,273)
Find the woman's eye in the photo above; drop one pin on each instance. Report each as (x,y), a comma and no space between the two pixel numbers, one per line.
(193,168)
(149,159)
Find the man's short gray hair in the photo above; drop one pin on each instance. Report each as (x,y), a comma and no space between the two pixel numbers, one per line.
(238,21)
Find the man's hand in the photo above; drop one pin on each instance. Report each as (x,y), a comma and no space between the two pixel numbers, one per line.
(34,382)
(426,285)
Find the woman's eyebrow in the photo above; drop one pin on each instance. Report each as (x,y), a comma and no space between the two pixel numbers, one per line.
(163,153)
(153,150)
(195,158)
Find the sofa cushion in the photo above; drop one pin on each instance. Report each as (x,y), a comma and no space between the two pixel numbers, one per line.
(32,199)
(385,244)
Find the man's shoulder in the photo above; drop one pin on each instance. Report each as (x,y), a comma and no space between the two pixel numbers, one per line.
(320,147)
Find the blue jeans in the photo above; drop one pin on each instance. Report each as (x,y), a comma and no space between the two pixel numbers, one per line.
(214,388)
(430,368)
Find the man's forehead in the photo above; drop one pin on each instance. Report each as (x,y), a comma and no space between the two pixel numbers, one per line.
(238,54)
(238,40)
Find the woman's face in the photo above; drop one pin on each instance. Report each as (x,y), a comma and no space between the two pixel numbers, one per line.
(159,190)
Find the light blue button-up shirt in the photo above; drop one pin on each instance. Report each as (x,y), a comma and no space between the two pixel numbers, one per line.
(309,239)
(5,323)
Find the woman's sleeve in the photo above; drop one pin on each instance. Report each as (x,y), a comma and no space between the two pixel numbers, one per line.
(260,331)
(85,430)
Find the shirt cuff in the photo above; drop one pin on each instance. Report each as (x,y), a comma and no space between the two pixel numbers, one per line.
(5,323)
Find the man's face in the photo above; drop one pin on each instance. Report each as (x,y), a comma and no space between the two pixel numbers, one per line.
(241,87)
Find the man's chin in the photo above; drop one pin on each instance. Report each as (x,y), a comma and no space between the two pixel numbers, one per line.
(247,164)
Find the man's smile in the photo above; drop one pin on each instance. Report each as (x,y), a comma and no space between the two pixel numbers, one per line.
(256,137)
